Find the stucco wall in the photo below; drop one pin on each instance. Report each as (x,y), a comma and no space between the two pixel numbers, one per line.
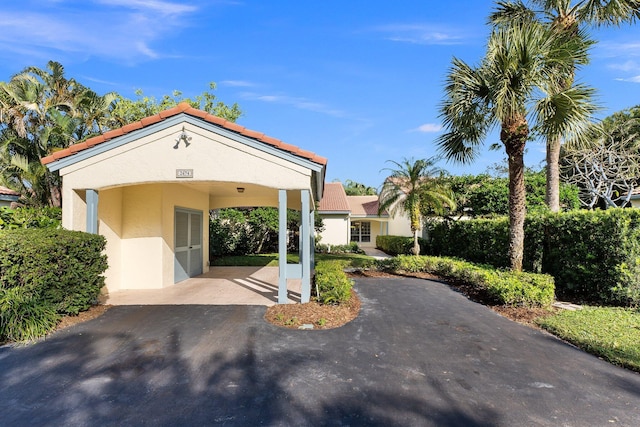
(138,192)
(400,225)
(211,157)
(336,229)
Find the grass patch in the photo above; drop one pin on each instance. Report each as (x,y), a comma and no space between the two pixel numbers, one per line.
(271,260)
(612,333)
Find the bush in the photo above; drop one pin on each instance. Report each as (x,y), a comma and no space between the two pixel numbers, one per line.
(521,289)
(27,217)
(59,267)
(351,248)
(593,255)
(24,316)
(332,284)
(398,245)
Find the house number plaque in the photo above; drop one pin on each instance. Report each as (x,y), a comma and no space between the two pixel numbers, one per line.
(184,173)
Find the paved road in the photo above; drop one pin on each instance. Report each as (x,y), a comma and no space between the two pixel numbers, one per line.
(419,354)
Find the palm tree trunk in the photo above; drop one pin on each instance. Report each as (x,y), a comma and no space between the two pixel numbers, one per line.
(514,135)
(416,244)
(552,196)
(517,208)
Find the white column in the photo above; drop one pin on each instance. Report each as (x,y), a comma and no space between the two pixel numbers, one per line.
(282,247)
(305,252)
(92,211)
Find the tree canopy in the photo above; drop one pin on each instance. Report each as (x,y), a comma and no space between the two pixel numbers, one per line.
(43,111)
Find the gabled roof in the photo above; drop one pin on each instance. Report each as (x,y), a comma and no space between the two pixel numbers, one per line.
(364,206)
(183,108)
(334,198)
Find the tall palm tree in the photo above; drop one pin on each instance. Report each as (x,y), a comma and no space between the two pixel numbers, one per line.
(410,188)
(565,18)
(516,88)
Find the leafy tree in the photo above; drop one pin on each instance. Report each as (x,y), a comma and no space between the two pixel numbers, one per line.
(565,18)
(414,188)
(488,196)
(42,112)
(515,87)
(353,188)
(127,110)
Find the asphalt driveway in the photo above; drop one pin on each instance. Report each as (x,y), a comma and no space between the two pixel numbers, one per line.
(419,354)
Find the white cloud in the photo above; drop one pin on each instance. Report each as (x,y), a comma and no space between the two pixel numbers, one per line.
(426,34)
(625,66)
(428,128)
(118,29)
(635,79)
(296,102)
(237,83)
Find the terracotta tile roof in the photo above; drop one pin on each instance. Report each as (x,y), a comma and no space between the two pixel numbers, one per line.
(185,108)
(334,198)
(8,192)
(364,205)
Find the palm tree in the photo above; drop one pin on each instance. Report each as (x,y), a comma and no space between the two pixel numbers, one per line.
(516,88)
(564,17)
(41,113)
(412,187)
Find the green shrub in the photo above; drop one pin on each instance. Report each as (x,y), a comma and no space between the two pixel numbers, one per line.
(351,248)
(24,316)
(28,217)
(332,284)
(63,268)
(398,245)
(522,289)
(593,255)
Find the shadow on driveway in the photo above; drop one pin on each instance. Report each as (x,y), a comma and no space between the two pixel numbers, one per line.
(418,354)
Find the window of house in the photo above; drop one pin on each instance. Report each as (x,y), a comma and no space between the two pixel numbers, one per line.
(360,231)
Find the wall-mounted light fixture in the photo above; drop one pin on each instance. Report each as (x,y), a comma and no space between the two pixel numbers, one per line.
(183,137)
(240,189)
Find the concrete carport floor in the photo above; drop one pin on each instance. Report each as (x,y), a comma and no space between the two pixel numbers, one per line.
(219,286)
(419,354)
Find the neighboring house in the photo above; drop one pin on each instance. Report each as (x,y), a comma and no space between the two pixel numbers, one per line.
(8,196)
(355,218)
(148,188)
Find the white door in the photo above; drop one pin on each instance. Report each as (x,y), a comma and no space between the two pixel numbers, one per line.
(188,244)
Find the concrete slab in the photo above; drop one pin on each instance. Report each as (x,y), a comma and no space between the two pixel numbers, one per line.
(220,286)
(376,253)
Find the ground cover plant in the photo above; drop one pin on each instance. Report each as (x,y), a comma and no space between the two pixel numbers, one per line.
(506,287)
(612,333)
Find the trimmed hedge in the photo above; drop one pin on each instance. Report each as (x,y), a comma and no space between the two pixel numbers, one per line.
(398,245)
(60,267)
(593,255)
(508,288)
(332,284)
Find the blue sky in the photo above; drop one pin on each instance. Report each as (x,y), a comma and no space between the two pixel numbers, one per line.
(356,81)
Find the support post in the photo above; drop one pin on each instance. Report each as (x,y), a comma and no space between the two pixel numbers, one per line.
(305,251)
(282,247)
(92,211)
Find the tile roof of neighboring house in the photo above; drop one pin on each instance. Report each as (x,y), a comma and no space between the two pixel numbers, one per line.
(185,108)
(8,192)
(334,198)
(364,205)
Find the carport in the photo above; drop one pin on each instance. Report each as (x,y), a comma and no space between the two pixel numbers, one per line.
(148,188)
